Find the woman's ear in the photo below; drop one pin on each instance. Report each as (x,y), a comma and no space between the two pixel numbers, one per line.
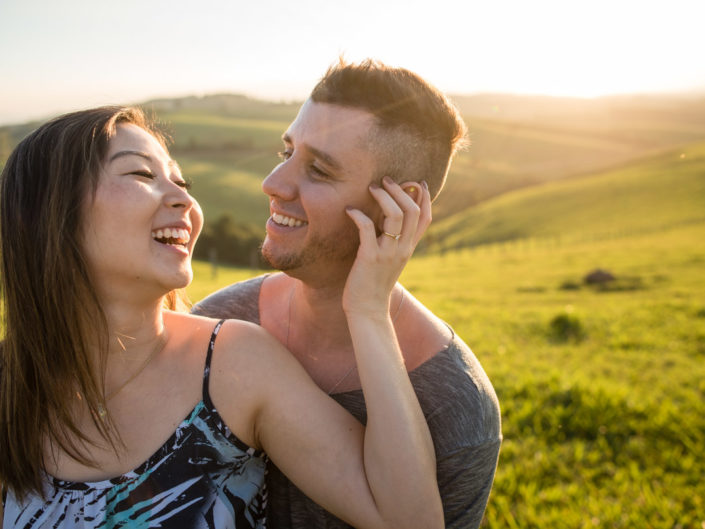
(413,189)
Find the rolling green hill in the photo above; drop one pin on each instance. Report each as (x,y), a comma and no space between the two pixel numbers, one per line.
(227,144)
(520,141)
(648,195)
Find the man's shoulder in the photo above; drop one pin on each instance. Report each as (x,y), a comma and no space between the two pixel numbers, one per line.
(237,301)
(457,396)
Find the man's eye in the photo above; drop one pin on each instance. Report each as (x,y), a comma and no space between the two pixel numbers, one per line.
(318,172)
(284,155)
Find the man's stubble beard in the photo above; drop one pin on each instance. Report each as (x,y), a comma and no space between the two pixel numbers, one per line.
(339,249)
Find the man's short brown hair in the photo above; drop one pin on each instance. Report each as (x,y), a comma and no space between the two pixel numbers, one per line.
(418,128)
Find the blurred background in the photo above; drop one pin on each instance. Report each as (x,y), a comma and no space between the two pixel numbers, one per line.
(567,248)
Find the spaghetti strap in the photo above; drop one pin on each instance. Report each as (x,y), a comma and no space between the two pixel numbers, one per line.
(209,355)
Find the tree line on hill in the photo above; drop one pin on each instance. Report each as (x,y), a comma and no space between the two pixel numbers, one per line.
(227,242)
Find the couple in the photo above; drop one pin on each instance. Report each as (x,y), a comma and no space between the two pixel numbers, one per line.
(97,233)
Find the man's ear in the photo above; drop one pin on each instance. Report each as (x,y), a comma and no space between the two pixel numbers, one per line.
(413,189)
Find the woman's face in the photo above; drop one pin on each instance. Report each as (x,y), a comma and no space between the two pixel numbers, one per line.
(141,227)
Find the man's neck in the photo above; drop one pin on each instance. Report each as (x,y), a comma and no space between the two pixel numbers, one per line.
(316,316)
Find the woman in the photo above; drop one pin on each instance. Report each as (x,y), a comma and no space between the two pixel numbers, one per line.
(117,412)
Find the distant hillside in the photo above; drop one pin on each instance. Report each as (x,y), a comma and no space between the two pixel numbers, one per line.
(648,195)
(227,105)
(227,143)
(520,141)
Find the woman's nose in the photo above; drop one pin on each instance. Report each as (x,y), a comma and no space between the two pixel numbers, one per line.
(177,195)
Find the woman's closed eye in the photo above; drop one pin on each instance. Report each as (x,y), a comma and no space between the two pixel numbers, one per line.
(185,183)
(144,173)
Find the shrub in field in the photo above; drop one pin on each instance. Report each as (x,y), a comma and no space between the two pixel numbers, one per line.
(565,327)
(622,284)
(605,281)
(599,277)
(228,242)
(569,284)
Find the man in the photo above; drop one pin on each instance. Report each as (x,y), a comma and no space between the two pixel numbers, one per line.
(362,123)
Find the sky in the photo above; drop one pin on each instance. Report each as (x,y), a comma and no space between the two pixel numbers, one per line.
(63,55)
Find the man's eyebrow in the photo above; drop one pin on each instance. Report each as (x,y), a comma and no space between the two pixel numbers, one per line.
(327,158)
(324,156)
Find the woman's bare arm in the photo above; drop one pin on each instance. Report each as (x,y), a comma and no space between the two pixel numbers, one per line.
(376,477)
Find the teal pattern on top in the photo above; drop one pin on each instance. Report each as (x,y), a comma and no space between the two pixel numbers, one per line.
(202,477)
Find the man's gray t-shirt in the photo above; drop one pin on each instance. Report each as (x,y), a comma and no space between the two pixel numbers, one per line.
(458,402)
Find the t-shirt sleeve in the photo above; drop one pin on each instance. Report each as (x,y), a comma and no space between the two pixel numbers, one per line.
(463,416)
(465,479)
(239,301)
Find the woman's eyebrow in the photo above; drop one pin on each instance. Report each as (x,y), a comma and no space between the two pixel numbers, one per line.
(175,166)
(171,163)
(129,153)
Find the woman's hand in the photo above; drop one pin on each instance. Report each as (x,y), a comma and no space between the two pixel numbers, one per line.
(381,258)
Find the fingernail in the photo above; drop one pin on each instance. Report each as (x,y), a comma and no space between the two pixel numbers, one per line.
(424,184)
(388,180)
(374,186)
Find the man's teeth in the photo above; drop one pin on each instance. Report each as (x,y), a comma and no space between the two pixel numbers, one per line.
(287,221)
(172,236)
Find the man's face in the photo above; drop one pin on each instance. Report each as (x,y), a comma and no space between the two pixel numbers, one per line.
(326,166)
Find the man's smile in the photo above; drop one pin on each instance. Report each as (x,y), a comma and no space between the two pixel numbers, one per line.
(283,220)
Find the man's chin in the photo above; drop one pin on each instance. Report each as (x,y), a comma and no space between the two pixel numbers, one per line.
(338,253)
(282,263)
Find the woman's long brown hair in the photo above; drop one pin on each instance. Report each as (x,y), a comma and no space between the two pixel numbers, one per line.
(51,314)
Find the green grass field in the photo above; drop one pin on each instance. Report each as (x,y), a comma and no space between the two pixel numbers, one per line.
(604,427)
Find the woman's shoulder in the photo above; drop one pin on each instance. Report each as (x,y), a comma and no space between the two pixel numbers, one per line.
(245,364)
(233,345)
(236,346)
(192,324)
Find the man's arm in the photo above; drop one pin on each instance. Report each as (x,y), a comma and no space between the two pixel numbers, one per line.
(239,301)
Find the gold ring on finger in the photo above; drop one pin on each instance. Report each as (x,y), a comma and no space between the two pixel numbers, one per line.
(395,237)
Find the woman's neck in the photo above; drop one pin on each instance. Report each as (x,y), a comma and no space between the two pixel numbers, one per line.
(133,327)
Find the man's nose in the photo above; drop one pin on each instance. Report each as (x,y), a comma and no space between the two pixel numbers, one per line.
(281,182)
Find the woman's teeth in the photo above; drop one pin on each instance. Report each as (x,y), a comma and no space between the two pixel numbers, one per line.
(171,236)
(287,221)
